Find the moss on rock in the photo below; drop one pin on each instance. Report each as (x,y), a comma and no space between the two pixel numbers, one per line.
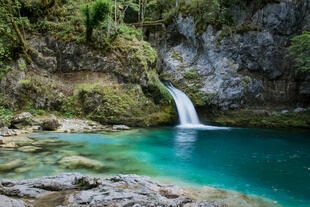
(122,104)
(252,118)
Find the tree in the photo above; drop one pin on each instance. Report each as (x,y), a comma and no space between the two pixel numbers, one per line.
(94,14)
(9,21)
(300,50)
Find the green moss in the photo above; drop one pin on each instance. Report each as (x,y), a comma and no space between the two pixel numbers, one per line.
(227,31)
(177,56)
(246,118)
(191,75)
(5,116)
(120,104)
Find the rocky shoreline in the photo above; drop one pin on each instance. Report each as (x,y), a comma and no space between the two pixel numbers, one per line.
(25,123)
(77,190)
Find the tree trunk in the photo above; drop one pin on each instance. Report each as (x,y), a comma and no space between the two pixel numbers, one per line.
(115,16)
(139,11)
(89,29)
(109,27)
(19,34)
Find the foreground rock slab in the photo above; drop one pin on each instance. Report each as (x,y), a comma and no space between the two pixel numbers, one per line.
(76,190)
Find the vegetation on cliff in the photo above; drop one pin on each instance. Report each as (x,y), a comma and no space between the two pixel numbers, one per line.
(300,50)
(137,99)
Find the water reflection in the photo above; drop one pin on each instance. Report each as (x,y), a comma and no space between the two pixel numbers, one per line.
(184,143)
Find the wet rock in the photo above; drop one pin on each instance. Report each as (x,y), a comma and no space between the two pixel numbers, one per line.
(120,127)
(10,165)
(18,140)
(1,140)
(74,162)
(9,145)
(10,202)
(29,149)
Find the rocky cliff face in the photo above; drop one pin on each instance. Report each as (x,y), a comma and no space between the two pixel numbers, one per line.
(241,67)
(116,87)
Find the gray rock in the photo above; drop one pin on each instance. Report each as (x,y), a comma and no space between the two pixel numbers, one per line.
(10,202)
(5,131)
(299,110)
(121,190)
(220,62)
(121,127)
(284,112)
(22,117)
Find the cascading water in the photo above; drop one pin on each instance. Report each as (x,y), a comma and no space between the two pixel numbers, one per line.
(186,110)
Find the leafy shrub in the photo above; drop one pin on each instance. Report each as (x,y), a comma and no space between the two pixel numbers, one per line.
(299,49)
(94,15)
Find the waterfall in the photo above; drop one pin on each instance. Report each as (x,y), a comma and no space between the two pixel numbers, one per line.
(186,110)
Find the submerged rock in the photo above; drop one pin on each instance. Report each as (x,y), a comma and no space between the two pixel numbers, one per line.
(74,162)
(29,149)
(9,145)
(18,139)
(10,165)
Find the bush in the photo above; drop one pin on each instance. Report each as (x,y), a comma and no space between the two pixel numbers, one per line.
(299,49)
(94,15)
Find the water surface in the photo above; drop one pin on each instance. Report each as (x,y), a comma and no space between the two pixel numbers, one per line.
(268,163)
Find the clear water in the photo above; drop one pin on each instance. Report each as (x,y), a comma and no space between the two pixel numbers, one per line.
(267,163)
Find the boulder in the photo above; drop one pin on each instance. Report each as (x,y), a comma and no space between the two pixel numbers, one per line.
(284,112)
(22,117)
(73,162)
(5,131)
(121,127)
(50,124)
(10,202)
(299,110)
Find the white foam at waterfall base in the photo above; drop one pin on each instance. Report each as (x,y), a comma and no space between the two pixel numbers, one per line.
(186,110)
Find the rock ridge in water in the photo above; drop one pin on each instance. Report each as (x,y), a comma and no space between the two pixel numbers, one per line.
(76,190)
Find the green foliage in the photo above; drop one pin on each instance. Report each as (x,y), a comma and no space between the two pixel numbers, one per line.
(4,69)
(119,104)
(193,74)
(300,50)
(5,116)
(246,117)
(94,14)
